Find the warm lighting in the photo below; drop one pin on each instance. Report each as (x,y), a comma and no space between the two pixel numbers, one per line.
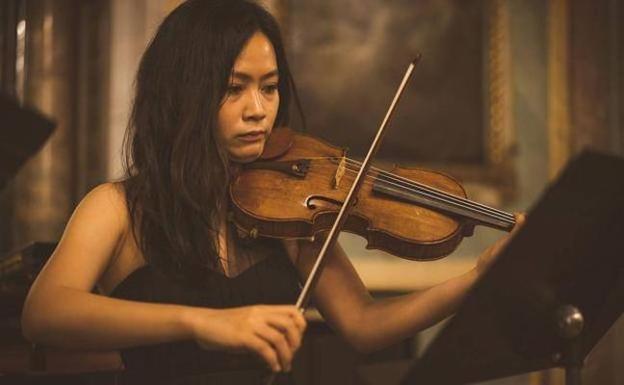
(21,29)
(20,58)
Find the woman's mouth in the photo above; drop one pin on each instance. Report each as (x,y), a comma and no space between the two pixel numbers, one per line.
(252,136)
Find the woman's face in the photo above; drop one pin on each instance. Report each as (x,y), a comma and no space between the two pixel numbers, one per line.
(250,105)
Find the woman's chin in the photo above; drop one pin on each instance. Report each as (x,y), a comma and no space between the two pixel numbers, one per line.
(246,157)
(246,154)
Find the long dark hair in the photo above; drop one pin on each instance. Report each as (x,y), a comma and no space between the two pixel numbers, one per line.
(177,174)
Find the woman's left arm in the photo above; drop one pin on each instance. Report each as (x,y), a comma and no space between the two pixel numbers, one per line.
(368,324)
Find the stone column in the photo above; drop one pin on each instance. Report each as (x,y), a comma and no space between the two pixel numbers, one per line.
(43,190)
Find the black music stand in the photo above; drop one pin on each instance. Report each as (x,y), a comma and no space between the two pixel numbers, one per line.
(22,133)
(553,293)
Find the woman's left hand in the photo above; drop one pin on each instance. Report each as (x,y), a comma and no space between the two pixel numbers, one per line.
(492,252)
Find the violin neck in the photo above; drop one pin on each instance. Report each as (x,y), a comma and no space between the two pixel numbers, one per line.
(445,203)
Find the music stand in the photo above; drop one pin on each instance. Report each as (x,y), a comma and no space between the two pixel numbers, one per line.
(22,133)
(554,291)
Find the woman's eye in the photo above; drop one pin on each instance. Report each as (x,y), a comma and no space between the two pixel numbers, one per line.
(270,88)
(234,89)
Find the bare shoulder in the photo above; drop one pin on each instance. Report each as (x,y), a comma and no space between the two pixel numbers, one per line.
(102,211)
(105,209)
(91,240)
(108,199)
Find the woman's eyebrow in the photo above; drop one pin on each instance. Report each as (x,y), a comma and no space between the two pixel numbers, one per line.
(246,77)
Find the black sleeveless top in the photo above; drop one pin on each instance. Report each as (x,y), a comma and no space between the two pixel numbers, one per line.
(271,280)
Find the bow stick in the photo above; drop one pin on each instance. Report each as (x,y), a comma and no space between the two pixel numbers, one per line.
(304,296)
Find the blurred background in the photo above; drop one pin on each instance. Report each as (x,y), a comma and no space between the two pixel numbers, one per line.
(507,92)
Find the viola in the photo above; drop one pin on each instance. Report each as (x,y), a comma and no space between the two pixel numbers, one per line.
(298,185)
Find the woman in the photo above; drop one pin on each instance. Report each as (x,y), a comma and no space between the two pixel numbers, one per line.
(183,297)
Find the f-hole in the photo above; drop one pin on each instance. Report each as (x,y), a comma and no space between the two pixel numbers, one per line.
(315,202)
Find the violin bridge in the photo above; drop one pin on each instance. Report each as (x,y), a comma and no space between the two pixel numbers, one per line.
(340,171)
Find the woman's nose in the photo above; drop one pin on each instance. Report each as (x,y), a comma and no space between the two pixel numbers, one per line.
(254,108)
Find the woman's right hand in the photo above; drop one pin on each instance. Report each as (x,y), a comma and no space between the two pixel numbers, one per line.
(273,332)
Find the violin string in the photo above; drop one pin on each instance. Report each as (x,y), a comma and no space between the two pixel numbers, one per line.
(442,200)
(425,194)
(418,187)
(445,201)
(437,195)
(434,190)
(425,190)
(441,193)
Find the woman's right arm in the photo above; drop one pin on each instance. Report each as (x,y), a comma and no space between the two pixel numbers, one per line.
(61,311)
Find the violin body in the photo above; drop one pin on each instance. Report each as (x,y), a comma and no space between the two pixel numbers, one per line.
(297,187)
